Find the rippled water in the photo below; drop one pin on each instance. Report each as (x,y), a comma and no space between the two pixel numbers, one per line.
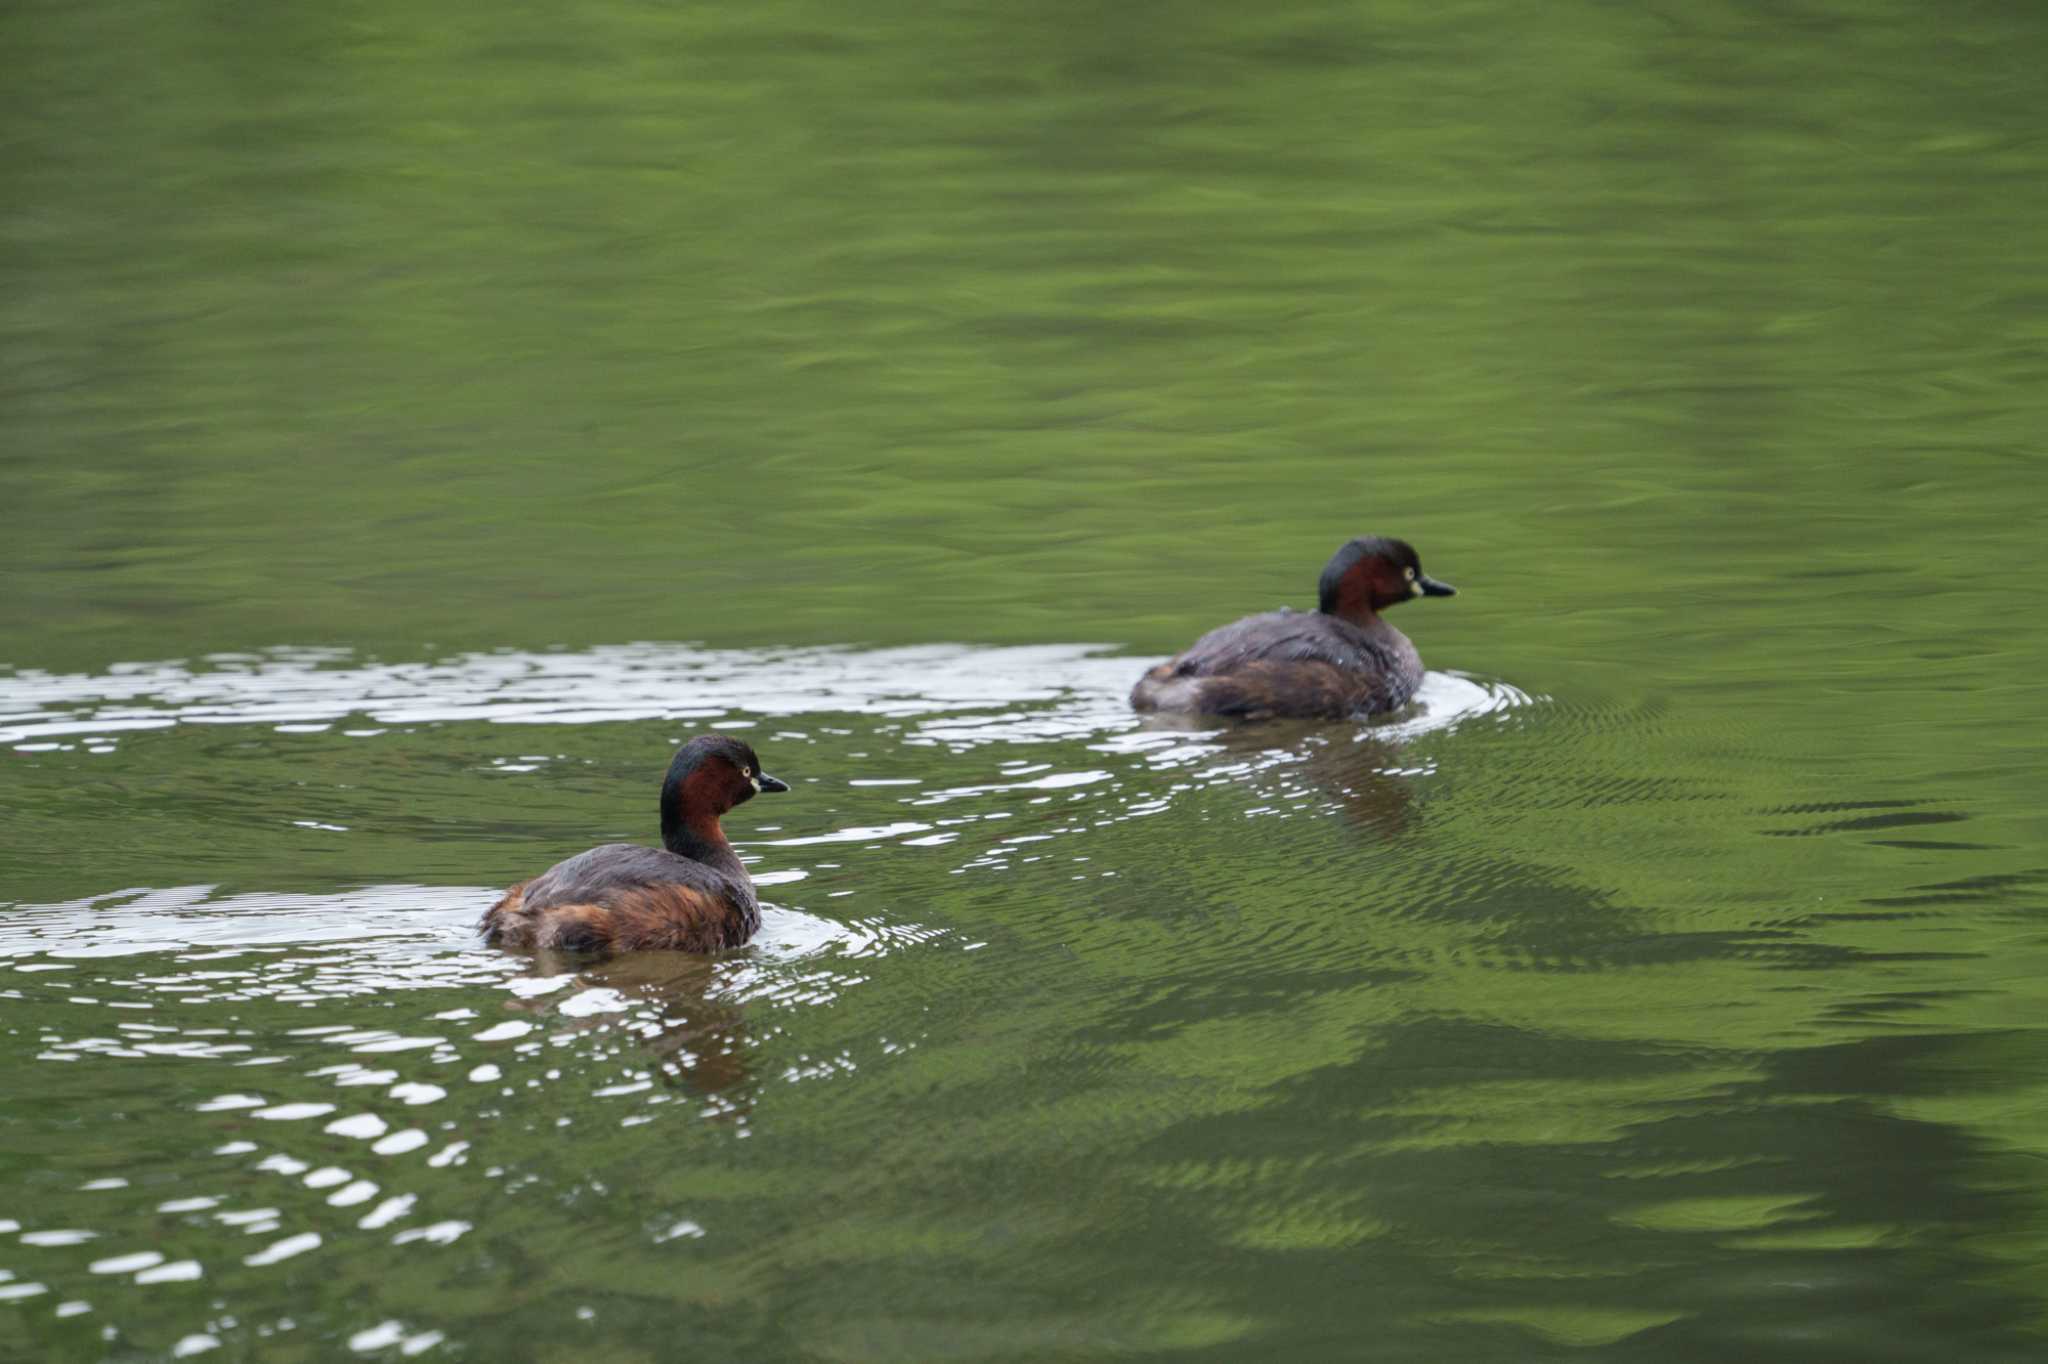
(244,1157)
(1667,987)
(1363,1053)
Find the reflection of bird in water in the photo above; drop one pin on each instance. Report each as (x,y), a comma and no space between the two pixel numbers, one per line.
(697,1039)
(1363,776)
(1357,771)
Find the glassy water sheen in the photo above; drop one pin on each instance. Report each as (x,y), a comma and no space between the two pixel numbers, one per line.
(1668,986)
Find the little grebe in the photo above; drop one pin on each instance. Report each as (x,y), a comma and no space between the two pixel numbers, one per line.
(1340,660)
(690,895)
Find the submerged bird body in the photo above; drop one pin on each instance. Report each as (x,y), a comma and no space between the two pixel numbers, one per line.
(1337,661)
(692,894)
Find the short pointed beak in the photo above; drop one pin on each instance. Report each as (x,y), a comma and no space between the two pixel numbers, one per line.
(769,783)
(1430,587)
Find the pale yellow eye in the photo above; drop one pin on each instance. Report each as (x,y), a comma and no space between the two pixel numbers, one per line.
(1410,574)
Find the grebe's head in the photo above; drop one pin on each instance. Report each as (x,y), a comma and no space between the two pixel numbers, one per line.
(1372,573)
(710,775)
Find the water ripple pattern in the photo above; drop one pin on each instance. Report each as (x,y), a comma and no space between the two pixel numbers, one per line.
(329,1074)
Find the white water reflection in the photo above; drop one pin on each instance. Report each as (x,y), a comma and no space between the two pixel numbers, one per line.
(292,689)
(959,695)
(390,922)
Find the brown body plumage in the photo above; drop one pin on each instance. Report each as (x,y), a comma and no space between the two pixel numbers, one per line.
(1338,661)
(691,895)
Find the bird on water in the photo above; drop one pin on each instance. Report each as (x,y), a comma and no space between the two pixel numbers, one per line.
(1339,661)
(692,894)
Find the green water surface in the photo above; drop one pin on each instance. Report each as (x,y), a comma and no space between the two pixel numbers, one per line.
(1676,995)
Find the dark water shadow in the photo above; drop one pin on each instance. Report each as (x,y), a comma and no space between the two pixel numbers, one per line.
(1768,1218)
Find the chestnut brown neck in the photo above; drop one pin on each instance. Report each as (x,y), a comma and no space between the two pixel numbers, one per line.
(685,836)
(689,817)
(1353,601)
